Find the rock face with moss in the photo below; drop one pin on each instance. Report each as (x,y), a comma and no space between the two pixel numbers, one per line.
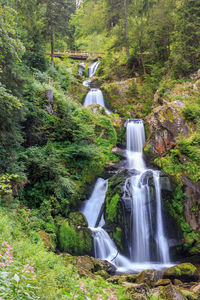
(185,272)
(114,210)
(74,237)
(165,123)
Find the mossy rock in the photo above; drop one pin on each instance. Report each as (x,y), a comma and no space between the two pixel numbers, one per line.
(103,265)
(75,240)
(148,277)
(162,282)
(136,287)
(85,262)
(103,274)
(185,272)
(78,219)
(114,216)
(169,292)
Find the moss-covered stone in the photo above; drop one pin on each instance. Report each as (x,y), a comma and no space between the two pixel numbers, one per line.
(162,282)
(114,216)
(75,240)
(169,292)
(78,219)
(103,274)
(185,272)
(148,277)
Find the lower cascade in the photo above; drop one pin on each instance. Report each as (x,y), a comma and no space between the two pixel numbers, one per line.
(147,242)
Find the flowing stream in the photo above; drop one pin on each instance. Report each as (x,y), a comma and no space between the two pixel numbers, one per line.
(147,243)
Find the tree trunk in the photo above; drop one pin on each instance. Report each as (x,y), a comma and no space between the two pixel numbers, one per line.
(126,28)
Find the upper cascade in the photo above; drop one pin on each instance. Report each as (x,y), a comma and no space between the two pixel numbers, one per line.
(135,140)
(93,68)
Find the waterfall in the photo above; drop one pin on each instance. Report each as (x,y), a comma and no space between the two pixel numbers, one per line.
(148,244)
(104,246)
(93,68)
(135,139)
(94,96)
(146,227)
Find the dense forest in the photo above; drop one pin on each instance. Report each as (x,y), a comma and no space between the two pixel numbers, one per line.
(53,148)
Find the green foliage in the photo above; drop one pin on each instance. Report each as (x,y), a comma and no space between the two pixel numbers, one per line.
(184,159)
(54,278)
(6,184)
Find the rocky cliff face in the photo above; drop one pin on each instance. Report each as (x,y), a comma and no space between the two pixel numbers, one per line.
(165,124)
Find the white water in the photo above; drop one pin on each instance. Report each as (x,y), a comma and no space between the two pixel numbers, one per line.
(146,220)
(104,246)
(93,68)
(92,206)
(137,191)
(95,96)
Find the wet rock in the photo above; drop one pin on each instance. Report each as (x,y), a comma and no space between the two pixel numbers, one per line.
(103,265)
(148,277)
(165,125)
(136,287)
(162,282)
(185,272)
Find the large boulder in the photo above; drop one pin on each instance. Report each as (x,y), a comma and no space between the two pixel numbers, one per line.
(148,277)
(74,237)
(185,272)
(165,124)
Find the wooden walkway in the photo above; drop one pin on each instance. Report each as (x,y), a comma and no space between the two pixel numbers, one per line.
(80,55)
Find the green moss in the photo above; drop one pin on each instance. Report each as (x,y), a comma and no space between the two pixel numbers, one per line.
(74,241)
(118,236)
(111,208)
(170,115)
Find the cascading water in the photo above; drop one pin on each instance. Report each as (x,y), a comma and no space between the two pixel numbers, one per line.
(148,245)
(94,96)
(104,246)
(93,68)
(147,239)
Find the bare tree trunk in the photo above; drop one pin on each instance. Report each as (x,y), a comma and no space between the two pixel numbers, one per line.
(52,43)
(126,28)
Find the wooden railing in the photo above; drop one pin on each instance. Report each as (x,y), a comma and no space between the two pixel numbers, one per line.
(77,54)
